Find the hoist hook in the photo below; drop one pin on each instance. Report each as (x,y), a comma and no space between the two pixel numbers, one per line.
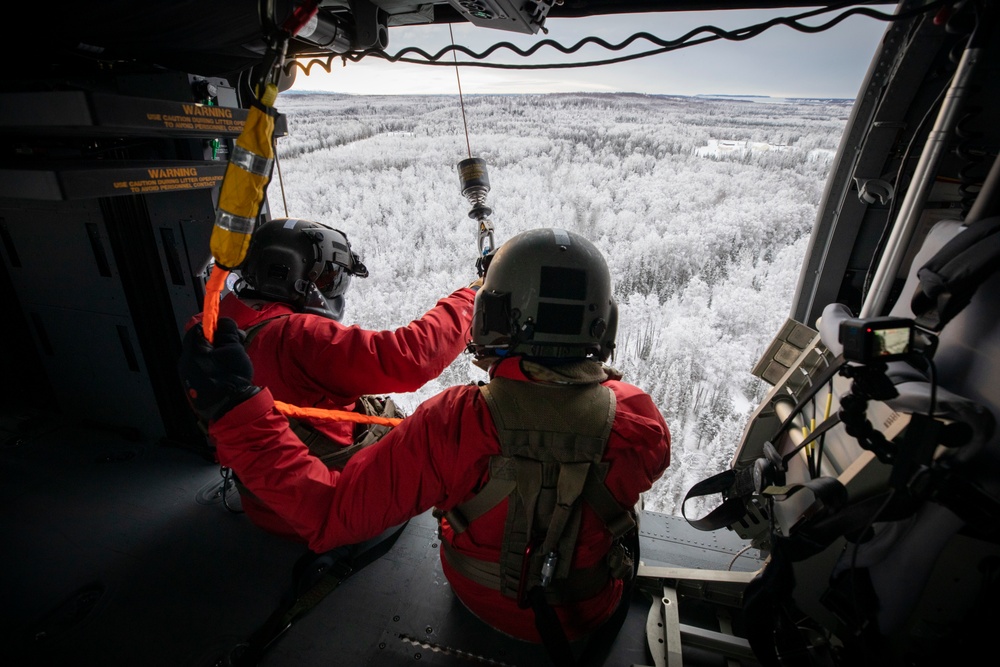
(475,184)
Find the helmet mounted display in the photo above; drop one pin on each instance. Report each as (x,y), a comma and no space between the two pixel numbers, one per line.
(288,256)
(547,294)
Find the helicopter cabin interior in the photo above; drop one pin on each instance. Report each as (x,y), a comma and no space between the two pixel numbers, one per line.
(120,544)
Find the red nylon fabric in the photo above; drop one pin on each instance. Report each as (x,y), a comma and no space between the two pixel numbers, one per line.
(310,361)
(437,457)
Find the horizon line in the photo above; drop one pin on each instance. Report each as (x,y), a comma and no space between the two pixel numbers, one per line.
(580,92)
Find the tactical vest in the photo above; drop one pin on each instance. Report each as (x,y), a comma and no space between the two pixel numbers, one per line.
(552,440)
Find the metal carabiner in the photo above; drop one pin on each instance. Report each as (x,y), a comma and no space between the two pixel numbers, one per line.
(486,242)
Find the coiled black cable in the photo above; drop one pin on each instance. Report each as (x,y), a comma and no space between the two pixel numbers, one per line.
(325,60)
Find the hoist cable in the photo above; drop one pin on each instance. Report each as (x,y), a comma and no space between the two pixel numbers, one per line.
(461,100)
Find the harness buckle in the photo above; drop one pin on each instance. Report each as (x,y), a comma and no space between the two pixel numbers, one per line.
(549,568)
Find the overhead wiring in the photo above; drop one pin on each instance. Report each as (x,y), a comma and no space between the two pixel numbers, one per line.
(904,165)
(689,39)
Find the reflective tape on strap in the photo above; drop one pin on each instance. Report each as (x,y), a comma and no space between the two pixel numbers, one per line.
(233,223)
(250,161)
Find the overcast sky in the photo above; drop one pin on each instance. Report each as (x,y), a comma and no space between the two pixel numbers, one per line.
(780,62)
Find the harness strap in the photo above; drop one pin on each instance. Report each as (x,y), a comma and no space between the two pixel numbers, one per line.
(572,477)
(501,484)
(599,643)
(552,442)
(596,494)
(253,330)
(550,629)
(730,511)
(530,477)
(542,429)
(737,486)
(314,577)
(581,584)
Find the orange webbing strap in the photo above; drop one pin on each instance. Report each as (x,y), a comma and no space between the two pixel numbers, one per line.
(340,415)
(210,318)
(213,289)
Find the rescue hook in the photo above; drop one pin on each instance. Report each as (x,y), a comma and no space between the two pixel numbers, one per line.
(475,184)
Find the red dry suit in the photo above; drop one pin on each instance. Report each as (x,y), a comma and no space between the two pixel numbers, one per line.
(308,360)
(438,457)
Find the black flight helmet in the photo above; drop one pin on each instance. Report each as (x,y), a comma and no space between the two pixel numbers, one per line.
(290,259)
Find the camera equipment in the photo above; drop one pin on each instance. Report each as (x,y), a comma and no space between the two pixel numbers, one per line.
(876,339)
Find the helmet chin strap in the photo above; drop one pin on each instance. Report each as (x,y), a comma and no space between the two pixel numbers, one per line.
(317,304)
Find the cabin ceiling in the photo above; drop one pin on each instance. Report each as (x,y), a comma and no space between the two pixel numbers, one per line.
(224,37)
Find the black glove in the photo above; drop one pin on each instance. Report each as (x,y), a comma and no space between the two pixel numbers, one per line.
(216,378)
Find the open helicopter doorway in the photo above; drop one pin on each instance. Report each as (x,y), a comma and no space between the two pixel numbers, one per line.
(704,221)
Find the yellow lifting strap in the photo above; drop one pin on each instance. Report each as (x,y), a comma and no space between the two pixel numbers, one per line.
(245,184)
(240,197)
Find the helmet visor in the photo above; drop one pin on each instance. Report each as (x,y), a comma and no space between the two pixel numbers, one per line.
(334,281)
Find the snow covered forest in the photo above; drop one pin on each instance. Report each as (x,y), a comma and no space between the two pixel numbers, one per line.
(702,206)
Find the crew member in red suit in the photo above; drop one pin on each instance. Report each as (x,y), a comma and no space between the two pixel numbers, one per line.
(289,301)
(535,473)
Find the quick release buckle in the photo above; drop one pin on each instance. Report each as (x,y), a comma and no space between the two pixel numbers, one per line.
(547,573)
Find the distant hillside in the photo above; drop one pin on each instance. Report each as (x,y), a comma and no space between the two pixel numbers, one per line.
(704,242)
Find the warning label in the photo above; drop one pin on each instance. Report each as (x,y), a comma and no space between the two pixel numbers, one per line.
(200,118)
(141,115)
(162,180)
(141,181)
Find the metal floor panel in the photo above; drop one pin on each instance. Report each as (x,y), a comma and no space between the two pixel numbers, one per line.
(119,552)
